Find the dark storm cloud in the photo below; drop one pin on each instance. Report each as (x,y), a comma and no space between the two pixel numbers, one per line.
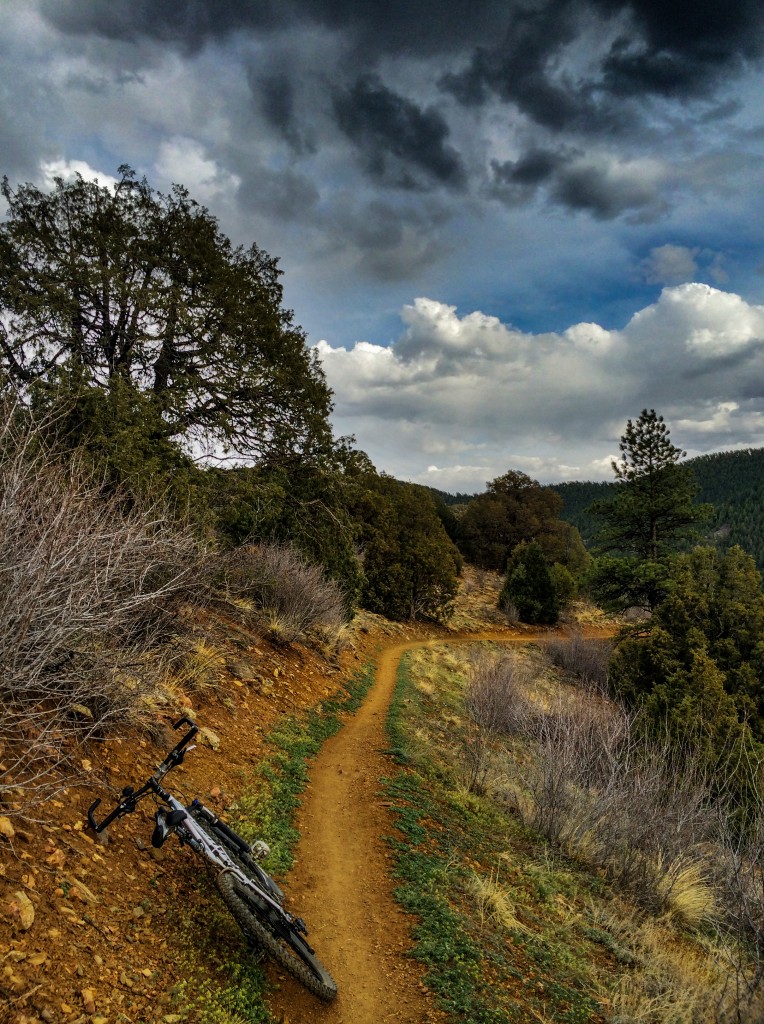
(682,45)
(396,26)
(515,69)
(398,140)
(276,94)
(676,49)
(670,48)
(515,180)
(570,179)
(189,24)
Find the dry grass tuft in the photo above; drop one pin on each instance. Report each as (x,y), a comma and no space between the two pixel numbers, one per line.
(683,887)
(667,979)
(493,902)
(201,668)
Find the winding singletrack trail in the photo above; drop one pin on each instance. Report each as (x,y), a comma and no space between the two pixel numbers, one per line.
(342,881)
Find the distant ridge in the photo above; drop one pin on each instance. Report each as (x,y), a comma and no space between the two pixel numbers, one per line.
(733,482)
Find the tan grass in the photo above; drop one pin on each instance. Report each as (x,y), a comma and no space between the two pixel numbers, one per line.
(493,902)
(201,668)
(683,888)
(669,981)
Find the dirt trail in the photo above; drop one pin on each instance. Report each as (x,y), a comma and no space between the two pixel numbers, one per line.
(341,882)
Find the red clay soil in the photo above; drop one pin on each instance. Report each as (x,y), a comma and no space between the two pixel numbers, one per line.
(342,879)
(100,946)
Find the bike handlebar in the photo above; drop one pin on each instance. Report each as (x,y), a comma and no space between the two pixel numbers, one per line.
(131,796)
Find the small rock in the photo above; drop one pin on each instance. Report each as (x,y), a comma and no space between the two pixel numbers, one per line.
(88,1000)
(208,737)
(216,792)
(138,912)
(242,669)
(24,907)
(6,828)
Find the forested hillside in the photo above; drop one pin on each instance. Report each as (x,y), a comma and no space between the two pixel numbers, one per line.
(733,482)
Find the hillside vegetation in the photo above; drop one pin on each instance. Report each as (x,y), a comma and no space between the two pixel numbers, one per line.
(561,869)
(580,827)
(733,482)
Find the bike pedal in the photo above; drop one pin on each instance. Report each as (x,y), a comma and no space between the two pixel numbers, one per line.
(260,850)
(300,925)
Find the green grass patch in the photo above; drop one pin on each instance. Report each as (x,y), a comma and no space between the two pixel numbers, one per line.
(499,915)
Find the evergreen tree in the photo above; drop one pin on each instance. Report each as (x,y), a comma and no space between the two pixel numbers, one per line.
(530,586)
(514,509)
(131,287)
(651,509)
(649,515)
(698,665)
(410,566)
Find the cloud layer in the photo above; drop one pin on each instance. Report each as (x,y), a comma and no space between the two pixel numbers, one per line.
(553,161)
(457,400)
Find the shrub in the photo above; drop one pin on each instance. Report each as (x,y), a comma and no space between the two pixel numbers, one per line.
(586,660)
(85,584)
(290,595)
(643,812)
(529,586)
(495,702)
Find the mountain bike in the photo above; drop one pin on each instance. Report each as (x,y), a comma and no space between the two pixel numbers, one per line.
(254,900)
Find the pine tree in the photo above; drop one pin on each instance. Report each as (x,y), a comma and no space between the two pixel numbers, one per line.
(651,511)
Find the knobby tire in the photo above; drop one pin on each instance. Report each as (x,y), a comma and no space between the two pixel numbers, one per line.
(291,952)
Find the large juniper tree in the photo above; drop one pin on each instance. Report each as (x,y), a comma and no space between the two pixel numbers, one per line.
(126,287)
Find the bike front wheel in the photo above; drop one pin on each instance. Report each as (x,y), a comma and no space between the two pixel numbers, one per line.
(279,939)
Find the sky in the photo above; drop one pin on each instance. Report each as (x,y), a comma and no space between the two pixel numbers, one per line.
(508,226)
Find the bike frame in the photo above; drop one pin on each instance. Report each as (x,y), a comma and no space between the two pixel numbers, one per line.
(185,827)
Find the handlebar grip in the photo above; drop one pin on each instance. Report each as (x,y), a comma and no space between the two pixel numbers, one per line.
(91,815)
(186,721)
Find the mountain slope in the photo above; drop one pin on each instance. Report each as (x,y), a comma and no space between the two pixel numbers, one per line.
(733,482)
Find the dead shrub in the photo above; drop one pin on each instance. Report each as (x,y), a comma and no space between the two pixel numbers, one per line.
(585,660)
(290,595)
(496,701)
(85,584)
(641,812)
(740,877)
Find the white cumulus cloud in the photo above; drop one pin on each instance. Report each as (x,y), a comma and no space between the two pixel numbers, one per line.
(551,404)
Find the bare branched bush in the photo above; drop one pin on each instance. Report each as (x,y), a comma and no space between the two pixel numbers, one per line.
(640,811)
(290,595)
(84,591)
(740,877)
(496,701)
(586,660)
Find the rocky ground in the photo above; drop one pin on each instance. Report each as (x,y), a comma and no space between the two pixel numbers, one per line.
(87,925)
